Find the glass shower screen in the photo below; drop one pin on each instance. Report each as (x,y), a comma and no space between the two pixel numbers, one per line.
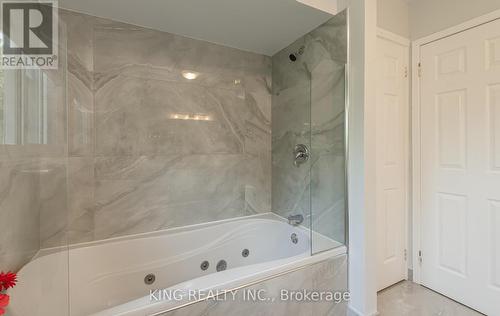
(309,139)
(328,199)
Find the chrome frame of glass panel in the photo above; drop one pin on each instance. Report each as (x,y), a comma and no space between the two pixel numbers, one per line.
(346,128)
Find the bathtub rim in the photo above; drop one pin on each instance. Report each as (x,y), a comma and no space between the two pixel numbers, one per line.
(264,216)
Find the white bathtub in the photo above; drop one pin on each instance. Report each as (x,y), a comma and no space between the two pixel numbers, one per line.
(106,278)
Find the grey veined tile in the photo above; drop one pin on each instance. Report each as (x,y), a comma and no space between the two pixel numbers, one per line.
(137,116)
(122,48)
(136,194)
(139,147)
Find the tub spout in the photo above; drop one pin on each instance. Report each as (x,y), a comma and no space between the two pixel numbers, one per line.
(295,220)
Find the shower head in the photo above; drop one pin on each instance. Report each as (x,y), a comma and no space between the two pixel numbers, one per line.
(294,56)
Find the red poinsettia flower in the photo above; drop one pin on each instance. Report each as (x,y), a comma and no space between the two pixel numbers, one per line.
(4,300)
(7,280)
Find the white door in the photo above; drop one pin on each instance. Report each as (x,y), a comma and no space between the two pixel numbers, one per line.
(392,161)
(460,159)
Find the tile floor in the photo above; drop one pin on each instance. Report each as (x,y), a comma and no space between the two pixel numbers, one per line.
(410,299)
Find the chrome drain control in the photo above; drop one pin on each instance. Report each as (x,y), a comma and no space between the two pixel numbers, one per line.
(245,253)
(149,279)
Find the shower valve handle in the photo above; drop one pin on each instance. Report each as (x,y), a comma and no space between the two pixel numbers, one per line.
(301,154)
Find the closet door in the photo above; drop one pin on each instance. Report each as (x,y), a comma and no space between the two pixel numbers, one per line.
(392,161)
(460,143)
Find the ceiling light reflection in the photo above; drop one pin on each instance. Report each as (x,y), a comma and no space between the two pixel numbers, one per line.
(190,117)
(190,75)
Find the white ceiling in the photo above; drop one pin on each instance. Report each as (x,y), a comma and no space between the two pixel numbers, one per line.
(261,26)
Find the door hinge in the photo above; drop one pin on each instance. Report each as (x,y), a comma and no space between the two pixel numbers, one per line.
(406,255)
(420,69)
(420,259)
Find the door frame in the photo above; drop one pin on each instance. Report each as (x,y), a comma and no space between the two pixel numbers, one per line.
(406,43)
(416,182)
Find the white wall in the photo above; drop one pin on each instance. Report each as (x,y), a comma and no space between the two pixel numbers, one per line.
(393,16)
(431,16)
(361,168)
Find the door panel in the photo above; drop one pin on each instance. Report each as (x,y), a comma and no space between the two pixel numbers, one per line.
(460,150)
(495,243)
(494,108)
(392,118)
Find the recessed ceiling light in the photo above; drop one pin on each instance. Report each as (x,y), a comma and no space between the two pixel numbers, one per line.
(190,75)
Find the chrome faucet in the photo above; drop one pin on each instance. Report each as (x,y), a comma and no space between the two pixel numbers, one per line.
(295,220)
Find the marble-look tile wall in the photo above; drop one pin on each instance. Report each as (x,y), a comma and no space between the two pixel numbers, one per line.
(309,108)
(32,171)
(134,165)
(329,275)
(117,161)
(123,161)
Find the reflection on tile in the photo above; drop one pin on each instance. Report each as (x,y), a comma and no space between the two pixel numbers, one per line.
(329,275)
(133,117)
(131,92)
(20,219)
(32,168)
(410,299)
